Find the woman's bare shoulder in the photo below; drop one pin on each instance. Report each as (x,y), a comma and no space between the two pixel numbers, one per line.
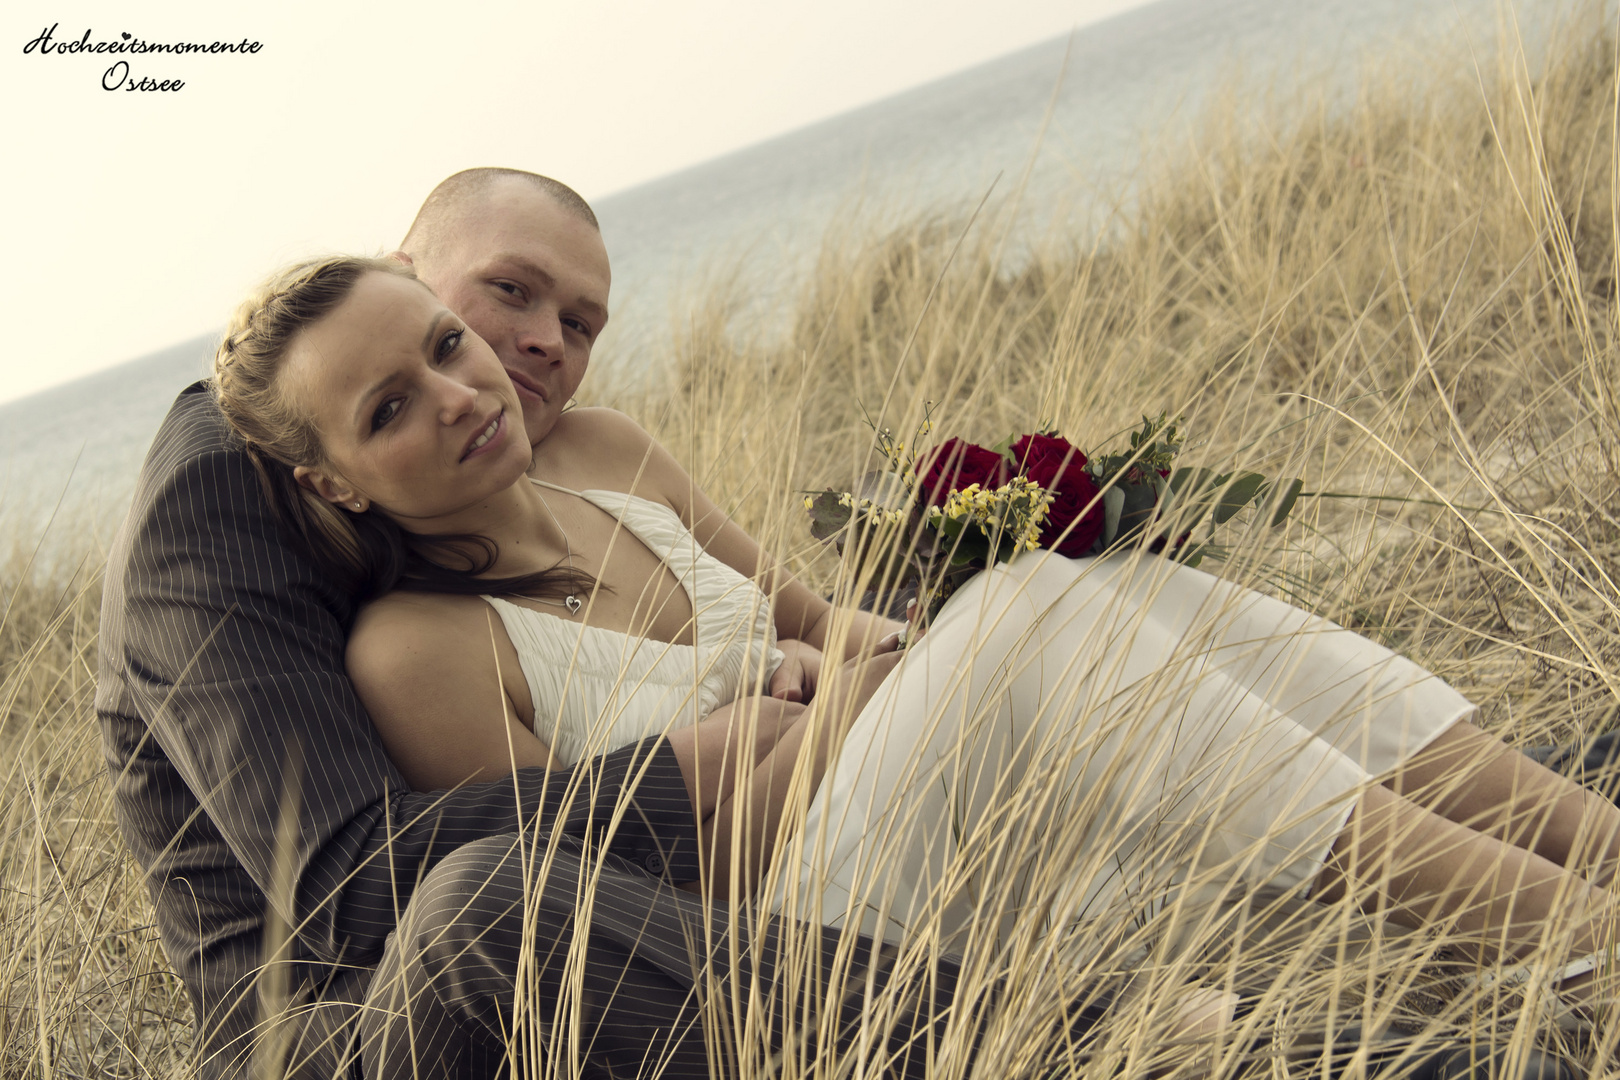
(435,673)
(396,630)
(405,608)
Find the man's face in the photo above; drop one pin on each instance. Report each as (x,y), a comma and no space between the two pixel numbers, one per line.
(532,280)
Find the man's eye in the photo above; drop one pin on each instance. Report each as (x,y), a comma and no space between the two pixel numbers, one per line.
(510,288)
(449,343)
(385,412)
(579,326)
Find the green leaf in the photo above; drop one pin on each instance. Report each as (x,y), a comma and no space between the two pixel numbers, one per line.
(1189,493)
(1283,505)
(1140,502)
(972,550)
(828,517)
(1189,481)
(1113,505)
(1238,494)
(1189,554)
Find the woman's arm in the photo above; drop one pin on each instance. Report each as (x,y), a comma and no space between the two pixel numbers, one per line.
(429,670)
(726,745)
(644,467)
(741,836)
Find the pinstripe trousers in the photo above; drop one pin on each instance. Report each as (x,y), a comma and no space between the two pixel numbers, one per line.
(444,1001)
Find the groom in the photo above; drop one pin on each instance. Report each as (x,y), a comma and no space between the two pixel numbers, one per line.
(326,919)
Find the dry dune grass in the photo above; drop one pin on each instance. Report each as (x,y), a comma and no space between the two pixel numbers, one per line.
(1411,297)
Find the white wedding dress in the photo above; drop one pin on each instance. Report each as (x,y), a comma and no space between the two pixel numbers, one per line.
(596,690)
(1142,724)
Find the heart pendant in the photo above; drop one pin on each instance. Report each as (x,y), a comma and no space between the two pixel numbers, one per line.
(572,603)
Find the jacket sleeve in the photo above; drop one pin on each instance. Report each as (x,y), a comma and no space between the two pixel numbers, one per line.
(233,650)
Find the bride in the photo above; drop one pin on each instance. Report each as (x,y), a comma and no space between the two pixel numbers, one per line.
(1148,728)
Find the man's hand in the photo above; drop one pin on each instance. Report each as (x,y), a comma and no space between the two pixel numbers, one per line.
(795,679)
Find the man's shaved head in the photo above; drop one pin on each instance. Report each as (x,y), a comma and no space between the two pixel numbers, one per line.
(520,258)
(459,195)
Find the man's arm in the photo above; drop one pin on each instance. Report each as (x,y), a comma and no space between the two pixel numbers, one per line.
(232,648)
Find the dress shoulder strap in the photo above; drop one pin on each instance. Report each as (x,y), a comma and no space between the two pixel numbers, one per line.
(537,482)
(650,522)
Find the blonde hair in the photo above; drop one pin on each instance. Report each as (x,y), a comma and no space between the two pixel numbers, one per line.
(364,552)
(273,430)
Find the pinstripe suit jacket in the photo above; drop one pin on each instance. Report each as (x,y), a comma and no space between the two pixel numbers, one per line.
(249,783)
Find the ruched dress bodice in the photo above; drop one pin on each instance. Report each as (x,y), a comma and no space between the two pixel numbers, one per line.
(595,690)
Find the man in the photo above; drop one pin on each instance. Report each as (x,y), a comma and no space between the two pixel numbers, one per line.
(519,257)
(287,859)
(282,848)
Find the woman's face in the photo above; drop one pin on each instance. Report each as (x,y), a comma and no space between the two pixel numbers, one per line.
(415,413)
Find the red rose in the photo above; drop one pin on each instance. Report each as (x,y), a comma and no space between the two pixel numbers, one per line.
(957,464)
(1058,467)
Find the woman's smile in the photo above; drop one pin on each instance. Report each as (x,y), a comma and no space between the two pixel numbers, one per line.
(488,438)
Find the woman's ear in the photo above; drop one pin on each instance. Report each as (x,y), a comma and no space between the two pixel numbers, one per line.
(334,489)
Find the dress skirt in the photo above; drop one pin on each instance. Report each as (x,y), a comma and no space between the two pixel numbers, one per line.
(1085,738)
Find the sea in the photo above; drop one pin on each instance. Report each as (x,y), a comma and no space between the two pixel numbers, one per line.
(1068,123)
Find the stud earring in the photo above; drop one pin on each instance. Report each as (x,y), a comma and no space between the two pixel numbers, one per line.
(357,505)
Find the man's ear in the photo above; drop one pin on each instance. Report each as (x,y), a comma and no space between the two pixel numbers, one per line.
(334,489)
(402,257)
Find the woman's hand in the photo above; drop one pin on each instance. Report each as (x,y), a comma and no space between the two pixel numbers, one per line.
(915,629)
(863,632)
(796,677)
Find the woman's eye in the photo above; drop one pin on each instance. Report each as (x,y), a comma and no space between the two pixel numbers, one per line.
(450,343)
(385,412)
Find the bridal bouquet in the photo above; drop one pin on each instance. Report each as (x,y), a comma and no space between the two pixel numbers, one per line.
(937,518)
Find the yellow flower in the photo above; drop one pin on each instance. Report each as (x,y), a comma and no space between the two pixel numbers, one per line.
(809,502)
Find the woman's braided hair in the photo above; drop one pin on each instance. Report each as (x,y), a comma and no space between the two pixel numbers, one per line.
(365,553)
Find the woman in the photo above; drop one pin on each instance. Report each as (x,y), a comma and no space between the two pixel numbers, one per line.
(1202,735)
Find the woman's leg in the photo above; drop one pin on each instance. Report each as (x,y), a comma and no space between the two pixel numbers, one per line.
(1201,1014)
(1421,869)
(1475,779)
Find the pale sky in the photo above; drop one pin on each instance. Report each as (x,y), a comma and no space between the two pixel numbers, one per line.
(136,220)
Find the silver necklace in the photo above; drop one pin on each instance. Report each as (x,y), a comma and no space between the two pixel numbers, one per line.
(571,602)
